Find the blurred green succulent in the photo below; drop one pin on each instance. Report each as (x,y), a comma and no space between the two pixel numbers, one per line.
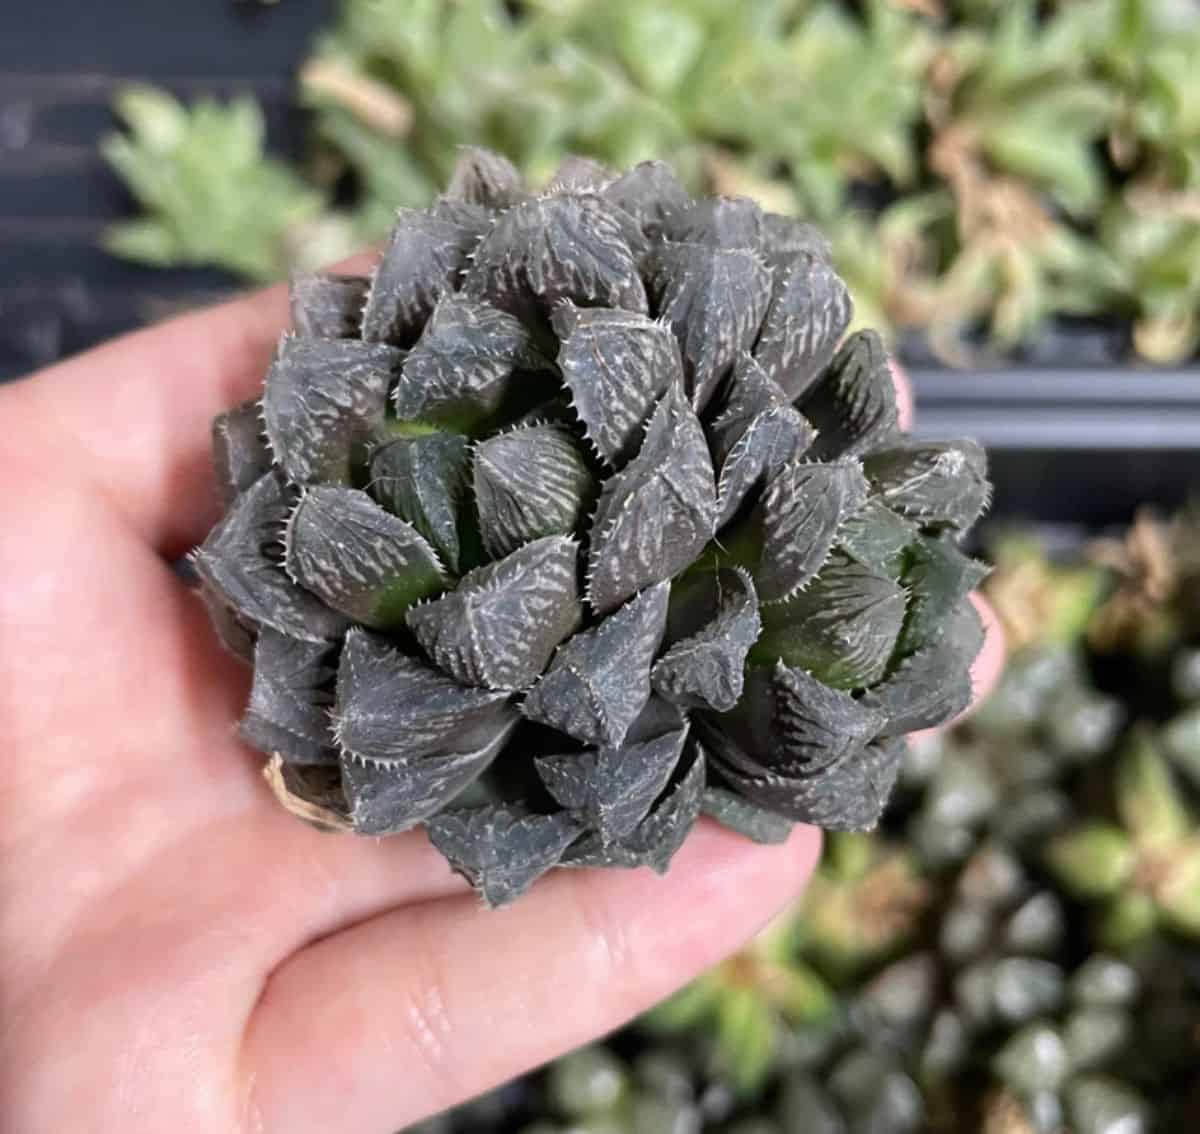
(1021,91)
(624,82)
(1144,864)
(748,1006)
(863,905)
(208,191)
(1152,238)
(977,163)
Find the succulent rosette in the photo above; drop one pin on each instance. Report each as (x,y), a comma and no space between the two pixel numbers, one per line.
(581,517)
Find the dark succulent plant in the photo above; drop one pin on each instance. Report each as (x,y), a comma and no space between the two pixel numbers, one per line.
(581,517)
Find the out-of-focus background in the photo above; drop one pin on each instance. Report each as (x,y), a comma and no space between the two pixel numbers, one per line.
(63,69)
(1012,189)
(1011,186)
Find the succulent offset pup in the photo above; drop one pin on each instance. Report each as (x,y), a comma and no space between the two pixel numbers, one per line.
(579,519)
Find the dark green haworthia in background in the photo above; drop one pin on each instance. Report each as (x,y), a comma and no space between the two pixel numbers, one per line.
(578,519)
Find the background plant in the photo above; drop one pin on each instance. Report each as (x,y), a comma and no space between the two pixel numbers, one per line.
(980,166)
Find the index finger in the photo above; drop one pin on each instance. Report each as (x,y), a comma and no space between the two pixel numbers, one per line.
(905,407)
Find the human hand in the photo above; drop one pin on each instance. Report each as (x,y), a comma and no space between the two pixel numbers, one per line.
(176,952)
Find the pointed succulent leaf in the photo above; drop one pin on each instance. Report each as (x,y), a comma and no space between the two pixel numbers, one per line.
(809,312)
(714,300)
(853,406)
(933,685)
(842,628)
(530,482)
(387,798)
(474,219)
(576,173)
(965,632)
(771,443)
(423,480)
(657,838)
(631,232)
(553,411)
(745,738)
(719,222)
(939,578)
(785,239)
(323,399)
(705,670)
(617,365)
(656,515)
(325,306)
(650,193)
(803,508)
(751,392)
(291,749)
(501,850)
(599,680)
(290,699)
(390,707)
(563,246)
(746,818)
(657,718)
(427,250)
(817,726)
(611,790)
(235,634)
(238,563)
(876,537)
(502,622)
(240,451)
(696,600)
(935,484)
(359,559)
(467,359)
(482,177)
(848,795)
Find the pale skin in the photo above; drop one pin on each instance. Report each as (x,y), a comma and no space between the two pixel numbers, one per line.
(176,952)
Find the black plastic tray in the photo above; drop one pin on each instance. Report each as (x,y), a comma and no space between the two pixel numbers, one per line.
(61,63)
(1082,445)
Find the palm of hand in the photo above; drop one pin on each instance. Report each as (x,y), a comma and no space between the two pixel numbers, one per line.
(177,953)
